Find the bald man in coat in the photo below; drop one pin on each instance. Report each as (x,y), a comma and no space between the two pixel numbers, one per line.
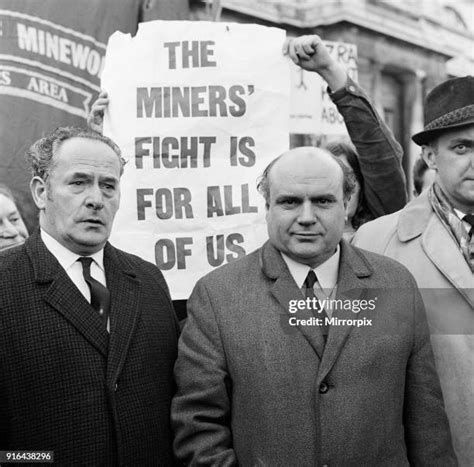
(262,382)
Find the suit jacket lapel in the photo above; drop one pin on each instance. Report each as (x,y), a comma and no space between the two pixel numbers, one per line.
(64,296)
(353,267)
(124,309)
(285,289)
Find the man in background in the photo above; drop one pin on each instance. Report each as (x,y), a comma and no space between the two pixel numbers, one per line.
(433,237)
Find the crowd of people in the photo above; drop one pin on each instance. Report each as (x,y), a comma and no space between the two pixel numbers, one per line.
(274,365)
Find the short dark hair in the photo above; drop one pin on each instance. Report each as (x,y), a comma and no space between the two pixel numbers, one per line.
(345,148)
(419,170)
(41,154)
(348,181)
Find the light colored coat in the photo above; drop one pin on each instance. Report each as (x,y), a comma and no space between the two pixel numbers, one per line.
(254,391)
(416,237)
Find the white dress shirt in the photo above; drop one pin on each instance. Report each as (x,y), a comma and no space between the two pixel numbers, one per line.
(68,260)
(326,273)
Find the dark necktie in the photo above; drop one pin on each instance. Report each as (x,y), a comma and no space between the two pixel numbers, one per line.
(100,295)
(469,218)
(309,282)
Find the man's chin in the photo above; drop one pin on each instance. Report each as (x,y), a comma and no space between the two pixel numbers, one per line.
(88,244)
(302,255)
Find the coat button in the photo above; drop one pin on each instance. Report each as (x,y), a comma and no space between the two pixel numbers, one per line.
(323,388)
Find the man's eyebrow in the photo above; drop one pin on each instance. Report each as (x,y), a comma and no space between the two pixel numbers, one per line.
(80,175)
(14,212)
(287,197)
(329,196)
(109,179)
(460,140)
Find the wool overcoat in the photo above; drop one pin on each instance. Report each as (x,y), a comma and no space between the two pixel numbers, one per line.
(253,389)
(66,384)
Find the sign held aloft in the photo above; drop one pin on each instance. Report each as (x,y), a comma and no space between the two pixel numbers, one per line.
(199,109)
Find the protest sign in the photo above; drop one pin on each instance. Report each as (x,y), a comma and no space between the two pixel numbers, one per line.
(311,110)
(199,109)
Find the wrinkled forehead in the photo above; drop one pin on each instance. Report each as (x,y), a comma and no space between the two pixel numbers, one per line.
(84,153)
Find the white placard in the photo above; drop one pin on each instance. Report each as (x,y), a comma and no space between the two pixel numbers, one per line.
(199,109)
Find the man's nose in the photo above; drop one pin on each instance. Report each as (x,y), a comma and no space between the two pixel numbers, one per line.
(307,215)
(95,198)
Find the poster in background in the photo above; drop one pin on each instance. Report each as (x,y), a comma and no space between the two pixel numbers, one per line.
(51,57)
(312,111)
(199,109)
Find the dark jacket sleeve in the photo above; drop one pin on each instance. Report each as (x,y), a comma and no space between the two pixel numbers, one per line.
(380,155)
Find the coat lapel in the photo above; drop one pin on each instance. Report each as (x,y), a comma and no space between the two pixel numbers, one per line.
(436,241)
(64,296)
(124,309)
(353,268)
(418,218)
(285,289)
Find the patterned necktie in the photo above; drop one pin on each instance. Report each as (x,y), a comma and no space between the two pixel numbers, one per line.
(100,295)
(469,218)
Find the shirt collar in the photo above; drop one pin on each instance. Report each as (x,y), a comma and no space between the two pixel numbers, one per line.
(326,272)
(65,257)
(459,213)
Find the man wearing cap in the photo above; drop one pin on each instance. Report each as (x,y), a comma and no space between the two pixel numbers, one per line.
(433,237)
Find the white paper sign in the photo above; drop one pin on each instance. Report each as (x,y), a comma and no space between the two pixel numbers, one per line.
(311,110)
(199,109)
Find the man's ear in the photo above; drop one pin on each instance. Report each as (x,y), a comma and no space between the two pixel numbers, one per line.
(346,208)
(39,192)
(429,156)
